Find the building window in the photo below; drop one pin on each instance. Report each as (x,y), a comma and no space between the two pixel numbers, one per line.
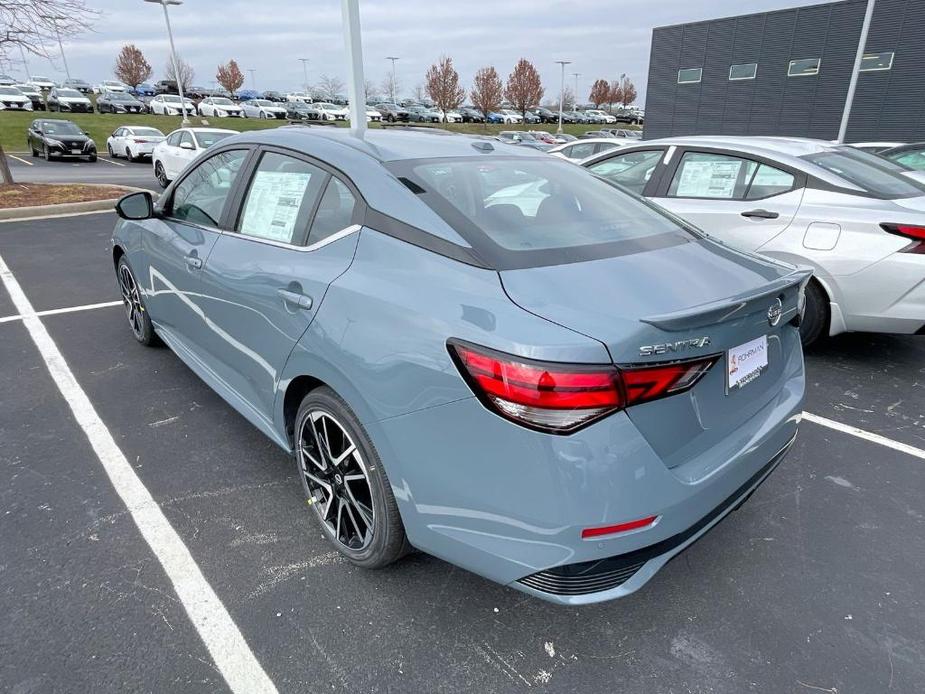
(805,67)
(872,62)
(690,75)
(746,71)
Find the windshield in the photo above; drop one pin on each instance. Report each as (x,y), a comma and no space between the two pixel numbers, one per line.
(148,132)
(38,78)
(209,138)
(10,91)
(260,102)
(874,174)
(172,99)
(221,101)
(61,127)
(524,211)
(70,93)
(119,96)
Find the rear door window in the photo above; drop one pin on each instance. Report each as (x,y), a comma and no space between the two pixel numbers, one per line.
(335,211)
(580,151)
(280,199)
(631,170)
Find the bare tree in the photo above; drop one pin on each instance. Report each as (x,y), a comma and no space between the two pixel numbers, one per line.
(230,76)
(131,66)
(487,91)
(524,88)
(372,91)
(330,88)
(568,99)
(183,75)
(32,25)
(615,94)
(391,87)
(442,85)
(629,91)
(418,93)
(600,93)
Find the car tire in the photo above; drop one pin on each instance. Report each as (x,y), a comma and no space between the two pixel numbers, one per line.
(92,158)
(129,156)
(34,151)
(112,155)
(390,118)
(161,175)
(135,311)
(359,517)
(46,155)
(815,320)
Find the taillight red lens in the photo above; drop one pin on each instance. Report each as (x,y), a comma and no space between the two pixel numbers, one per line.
(619,528)
(910,231)
(562,397)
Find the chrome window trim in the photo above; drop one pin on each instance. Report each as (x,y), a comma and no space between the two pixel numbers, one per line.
(336,236)
(892,55)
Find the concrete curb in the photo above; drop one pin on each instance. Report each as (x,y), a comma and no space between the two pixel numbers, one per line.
(67,208)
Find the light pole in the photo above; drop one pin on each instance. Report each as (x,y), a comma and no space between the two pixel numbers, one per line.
(356,84)
(576,75)
(253,79)
(67,70)
(392,83)
(852,85)
(173,56)
(304,62)
(562,63)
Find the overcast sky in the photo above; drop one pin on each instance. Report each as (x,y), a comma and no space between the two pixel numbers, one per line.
(603,38)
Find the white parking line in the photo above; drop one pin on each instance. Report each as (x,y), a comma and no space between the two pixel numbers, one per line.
(56,311)
(19,159)
(224,641)
(866,435)
(110,161)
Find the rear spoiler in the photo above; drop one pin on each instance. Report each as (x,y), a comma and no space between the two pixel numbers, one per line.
(732,307)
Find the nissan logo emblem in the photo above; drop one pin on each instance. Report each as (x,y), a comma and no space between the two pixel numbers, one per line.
(774,312)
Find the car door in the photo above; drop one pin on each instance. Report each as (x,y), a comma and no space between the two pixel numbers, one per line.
(179,241)
(182,154)
(743,200)
(262,285)
(118,140)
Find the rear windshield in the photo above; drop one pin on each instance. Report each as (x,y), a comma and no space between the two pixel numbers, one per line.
(207,138)
(522,212)
(148,132)
(876,175)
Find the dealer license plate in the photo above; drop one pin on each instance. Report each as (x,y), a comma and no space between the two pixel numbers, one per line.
(746,362)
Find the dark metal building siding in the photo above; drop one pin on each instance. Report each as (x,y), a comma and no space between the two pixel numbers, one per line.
(889,105)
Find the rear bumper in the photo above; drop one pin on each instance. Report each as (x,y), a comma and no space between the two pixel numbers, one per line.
(509,504)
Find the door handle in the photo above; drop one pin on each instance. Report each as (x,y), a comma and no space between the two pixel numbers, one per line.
(761,214)
(194,262)
(292,297)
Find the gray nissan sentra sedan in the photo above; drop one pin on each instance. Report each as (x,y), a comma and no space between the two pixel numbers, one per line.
(473,349)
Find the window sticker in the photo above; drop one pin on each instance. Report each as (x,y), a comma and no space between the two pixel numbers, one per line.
(273,204)
(708,179)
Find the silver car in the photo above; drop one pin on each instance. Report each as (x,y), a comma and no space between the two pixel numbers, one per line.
(858,220)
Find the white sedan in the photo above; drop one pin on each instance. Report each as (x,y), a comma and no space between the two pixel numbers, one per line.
(13,99)
(169,105)
(180,147)
(857,219)
(219,107)
(587,147)
(133,142)
(261,108)
(331,111)
(110,86)
(373,114)
(452,117)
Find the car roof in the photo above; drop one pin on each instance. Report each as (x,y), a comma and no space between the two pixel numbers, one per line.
(393,144)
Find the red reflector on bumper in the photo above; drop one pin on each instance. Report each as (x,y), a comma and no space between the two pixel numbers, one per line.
(619,528)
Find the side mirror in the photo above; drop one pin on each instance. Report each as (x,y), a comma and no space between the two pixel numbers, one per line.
(186,145)
(136,206)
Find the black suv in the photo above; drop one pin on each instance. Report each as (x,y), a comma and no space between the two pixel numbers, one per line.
(471,115)
(59,138)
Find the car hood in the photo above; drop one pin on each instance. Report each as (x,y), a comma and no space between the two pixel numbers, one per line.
(74,99)
(81,139)
(664,294)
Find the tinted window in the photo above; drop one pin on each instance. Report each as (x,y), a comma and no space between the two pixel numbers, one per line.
(701,175)
(803,67)
(208,138)
(579,151)
(174,138)
(631,170)
(200,196)
(335,211)
(874,174)
(61,127)
(769,181)
(280,199)
(914,159)
(526,205)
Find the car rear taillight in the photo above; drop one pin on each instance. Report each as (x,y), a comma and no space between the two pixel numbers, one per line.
(139,142)
(911,232)
(560,398)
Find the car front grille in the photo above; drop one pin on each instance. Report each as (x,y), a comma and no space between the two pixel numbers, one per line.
(13,104)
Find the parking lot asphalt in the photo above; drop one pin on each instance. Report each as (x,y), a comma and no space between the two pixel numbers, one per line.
(813,585)
(118,171)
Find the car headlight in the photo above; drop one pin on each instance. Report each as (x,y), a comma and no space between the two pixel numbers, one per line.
(52,142)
